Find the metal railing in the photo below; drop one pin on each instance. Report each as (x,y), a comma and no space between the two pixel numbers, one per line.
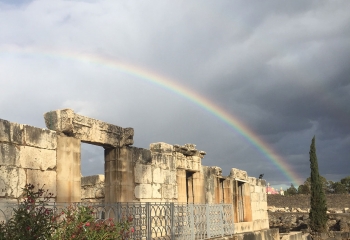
(158,221)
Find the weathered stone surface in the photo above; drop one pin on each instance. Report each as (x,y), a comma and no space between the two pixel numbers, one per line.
(88,129)
(68,169)
(12,180)
(38,137)
(239,174)
(143,173)
(169,177)
(156,190)
(158,175)
(9,154)
(164,161)
(161,147)
(92,180)
(37,158)
(192,163)
(143,191)
(11,132)
(168,191)
(92,187)
(45,179)
(189,149)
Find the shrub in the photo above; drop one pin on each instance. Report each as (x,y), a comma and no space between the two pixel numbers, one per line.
(78,223)
(34,220)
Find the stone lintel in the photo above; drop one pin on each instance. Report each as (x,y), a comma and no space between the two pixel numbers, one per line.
(189,149)
(238,174)
(87,129)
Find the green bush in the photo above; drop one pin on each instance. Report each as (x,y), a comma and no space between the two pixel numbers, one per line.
(34,220)
(78,223)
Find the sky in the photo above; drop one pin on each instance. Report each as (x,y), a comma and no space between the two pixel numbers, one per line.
(249,82)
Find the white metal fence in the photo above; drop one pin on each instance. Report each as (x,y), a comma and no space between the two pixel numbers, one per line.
(158,221)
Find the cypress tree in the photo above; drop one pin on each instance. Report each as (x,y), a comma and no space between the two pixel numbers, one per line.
(318,211)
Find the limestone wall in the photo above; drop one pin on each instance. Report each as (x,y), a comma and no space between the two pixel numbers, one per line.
(164,173)
(27,155)
(92,188)
(303,201)
(259,203)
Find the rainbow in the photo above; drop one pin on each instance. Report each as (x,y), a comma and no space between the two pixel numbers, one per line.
(175,87)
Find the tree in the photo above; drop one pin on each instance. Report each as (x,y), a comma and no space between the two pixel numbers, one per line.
(292,190)
(303,189)
(339,188)
(326,185)
(346,182)
(318,211)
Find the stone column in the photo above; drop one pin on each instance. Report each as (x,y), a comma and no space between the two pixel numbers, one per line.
(68,170)
(199,189)
(228,196)
(181,185)
(119,176)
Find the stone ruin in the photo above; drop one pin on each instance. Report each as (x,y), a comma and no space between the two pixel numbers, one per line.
(163,173)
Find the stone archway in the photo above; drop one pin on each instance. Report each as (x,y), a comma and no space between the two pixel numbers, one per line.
(73,129)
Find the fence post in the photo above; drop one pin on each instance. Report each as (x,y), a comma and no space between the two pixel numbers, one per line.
(221,208)
(207,217)
(172,208)
(148,221)
(192,221)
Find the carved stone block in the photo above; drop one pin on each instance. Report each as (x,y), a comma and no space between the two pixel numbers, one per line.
(9,154)
(39,178)
(11,132)
(156,190)
(161,147)
(143,173)
(38,137)
(239,174)
(12,180)
(158,175)
(143,191)
(88,129)
(189,149)
(37,158)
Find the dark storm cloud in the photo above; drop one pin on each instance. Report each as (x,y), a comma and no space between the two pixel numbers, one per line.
(279,67)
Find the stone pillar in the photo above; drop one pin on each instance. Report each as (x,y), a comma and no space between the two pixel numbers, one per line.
(119,176)
(228,197)
(68,170)
(247,203)
(181,185)
(199,190)
(190,190)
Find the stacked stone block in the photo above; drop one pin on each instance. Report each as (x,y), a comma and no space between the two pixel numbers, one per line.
(27,155)
(155,181)
(258,203)
(92,188)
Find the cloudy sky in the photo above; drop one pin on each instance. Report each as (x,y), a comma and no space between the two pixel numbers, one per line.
(281,68)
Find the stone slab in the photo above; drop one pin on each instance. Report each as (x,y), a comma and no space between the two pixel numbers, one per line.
(9,154)
(156,190)
(143,173)
(11,132)
(37,158)
(238,174)
(88,129)
(12,180)
(143,191)
(168,191)
(39,137)
(158,175)
(161,147)
(45,179)
(93,180)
